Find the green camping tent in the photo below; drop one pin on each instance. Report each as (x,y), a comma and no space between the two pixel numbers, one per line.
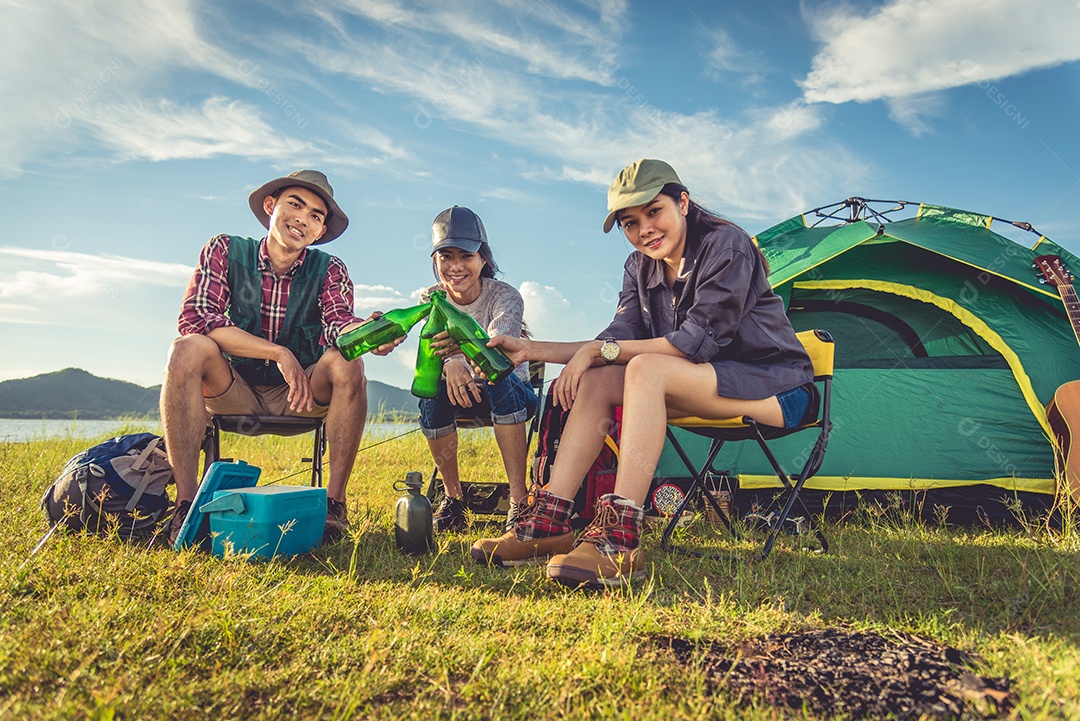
(947,350)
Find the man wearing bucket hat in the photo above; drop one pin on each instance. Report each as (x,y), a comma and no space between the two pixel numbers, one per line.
(254,323)
(698,331)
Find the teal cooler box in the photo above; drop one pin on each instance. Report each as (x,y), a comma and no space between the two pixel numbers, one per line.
(230,513)
(266,521)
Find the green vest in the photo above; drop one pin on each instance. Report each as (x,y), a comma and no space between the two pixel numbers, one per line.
(302,329)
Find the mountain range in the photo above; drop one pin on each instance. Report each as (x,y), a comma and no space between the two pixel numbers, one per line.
(73,392)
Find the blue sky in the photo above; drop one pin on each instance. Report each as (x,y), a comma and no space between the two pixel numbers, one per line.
(133,131)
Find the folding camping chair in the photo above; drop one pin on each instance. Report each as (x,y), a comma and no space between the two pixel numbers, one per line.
(255,425)
(489,499)
(819,346)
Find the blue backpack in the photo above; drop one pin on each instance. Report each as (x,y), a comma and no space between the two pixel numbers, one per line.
(118,484)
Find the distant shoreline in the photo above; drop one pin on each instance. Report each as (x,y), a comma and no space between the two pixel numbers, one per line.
(392,417)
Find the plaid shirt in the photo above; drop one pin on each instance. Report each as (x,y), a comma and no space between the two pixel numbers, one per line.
(207,296)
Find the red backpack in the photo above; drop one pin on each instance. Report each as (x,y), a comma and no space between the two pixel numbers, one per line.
(601,476)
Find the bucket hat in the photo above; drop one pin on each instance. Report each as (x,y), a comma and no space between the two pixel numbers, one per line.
(316,182)
(637,184)
(457,227)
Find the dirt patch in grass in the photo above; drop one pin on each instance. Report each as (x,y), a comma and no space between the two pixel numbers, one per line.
(860,675)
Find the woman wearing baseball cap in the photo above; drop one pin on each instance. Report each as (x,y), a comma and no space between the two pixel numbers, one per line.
(465,268)
(698,332)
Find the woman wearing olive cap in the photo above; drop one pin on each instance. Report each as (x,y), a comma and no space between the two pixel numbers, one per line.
(698,332)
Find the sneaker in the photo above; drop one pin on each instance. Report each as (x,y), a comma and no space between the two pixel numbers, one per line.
(337,521)
(607,554)
(513,514)
(450,515)
(541,531)
(180,514)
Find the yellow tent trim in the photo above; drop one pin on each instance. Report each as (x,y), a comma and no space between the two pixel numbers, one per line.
(964,316)
(851,483)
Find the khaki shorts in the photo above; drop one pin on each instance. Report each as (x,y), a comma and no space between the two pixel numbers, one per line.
(246,400)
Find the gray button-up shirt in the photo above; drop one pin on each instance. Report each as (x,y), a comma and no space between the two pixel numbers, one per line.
(720,310)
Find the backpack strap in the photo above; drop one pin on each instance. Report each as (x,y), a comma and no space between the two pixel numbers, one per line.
(144,456)
(147,473)
(139,491)
(87,501)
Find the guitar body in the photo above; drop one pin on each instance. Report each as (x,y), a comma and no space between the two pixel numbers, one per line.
(1063,412)
(1063,415)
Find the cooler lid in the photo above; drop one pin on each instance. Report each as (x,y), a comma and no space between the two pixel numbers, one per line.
(221,477)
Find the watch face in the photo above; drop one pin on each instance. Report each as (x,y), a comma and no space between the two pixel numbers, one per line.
(609,351)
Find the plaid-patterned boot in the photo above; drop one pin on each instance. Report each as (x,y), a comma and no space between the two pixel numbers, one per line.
(607,554)
(542,530)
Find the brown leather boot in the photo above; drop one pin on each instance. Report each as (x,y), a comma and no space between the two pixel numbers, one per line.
(607,554)
(542,530)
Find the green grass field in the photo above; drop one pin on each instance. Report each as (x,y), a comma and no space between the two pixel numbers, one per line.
(98,628)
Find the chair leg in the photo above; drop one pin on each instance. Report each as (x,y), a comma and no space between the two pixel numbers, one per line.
(697,486)
(211,447)
(434,484)
(317,456)
(665,538)
(792,493)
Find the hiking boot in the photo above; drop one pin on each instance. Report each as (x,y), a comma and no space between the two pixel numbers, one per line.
(337,521)
(450,515)
(607,554)
(180,514)
(542,530)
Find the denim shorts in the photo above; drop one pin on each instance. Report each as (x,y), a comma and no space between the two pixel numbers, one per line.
(509,401)
(795,403)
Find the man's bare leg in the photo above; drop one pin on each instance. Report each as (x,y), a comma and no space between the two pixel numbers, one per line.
(195,370)
(343,384)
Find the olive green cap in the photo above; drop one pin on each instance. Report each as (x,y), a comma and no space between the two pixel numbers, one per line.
(637,184)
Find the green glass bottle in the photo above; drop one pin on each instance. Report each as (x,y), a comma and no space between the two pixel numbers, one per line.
(472,339)
(387,328)
(428,373)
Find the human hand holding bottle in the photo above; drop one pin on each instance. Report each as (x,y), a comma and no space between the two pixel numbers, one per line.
(444,346)
(461,386)
(385,348)
(516,349)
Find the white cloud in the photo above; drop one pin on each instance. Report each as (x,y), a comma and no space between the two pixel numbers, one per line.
(753,168)
(167,131)
(501,70)
(911,111)
(32,276)
(369,298)
(725,57)
(70,58)
(507,194)
(59,299)
(912,47)
(548,313)
(534,33)
(791,121)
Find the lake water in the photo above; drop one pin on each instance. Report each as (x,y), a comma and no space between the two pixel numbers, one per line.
(21,430)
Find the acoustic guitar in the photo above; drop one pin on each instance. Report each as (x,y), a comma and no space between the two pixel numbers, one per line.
(1063,411)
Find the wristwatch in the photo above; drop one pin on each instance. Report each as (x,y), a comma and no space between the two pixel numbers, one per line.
(609,351)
